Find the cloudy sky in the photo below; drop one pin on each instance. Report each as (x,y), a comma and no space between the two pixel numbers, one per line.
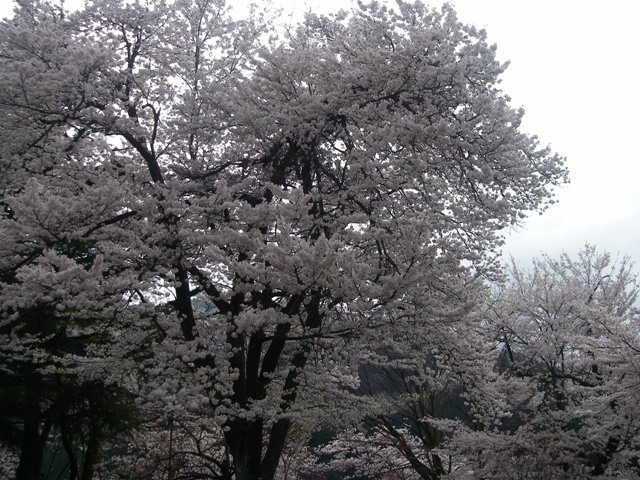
(573,70)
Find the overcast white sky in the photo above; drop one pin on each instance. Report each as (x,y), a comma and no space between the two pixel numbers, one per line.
(573,67)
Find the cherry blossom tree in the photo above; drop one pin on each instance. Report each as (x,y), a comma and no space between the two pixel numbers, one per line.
(229,222)
(569,333)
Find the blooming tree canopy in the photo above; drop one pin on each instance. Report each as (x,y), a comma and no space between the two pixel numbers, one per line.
(244,217)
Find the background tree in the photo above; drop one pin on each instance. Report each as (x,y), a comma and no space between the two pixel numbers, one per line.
(569,333)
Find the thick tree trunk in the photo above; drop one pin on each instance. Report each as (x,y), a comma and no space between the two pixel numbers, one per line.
(31,454)
(245,440)
(277,442)
(91,458)
(94,444)
(246,444)
(67,442)
(33,442)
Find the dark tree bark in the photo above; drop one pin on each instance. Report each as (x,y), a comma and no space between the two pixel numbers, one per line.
(34,437)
